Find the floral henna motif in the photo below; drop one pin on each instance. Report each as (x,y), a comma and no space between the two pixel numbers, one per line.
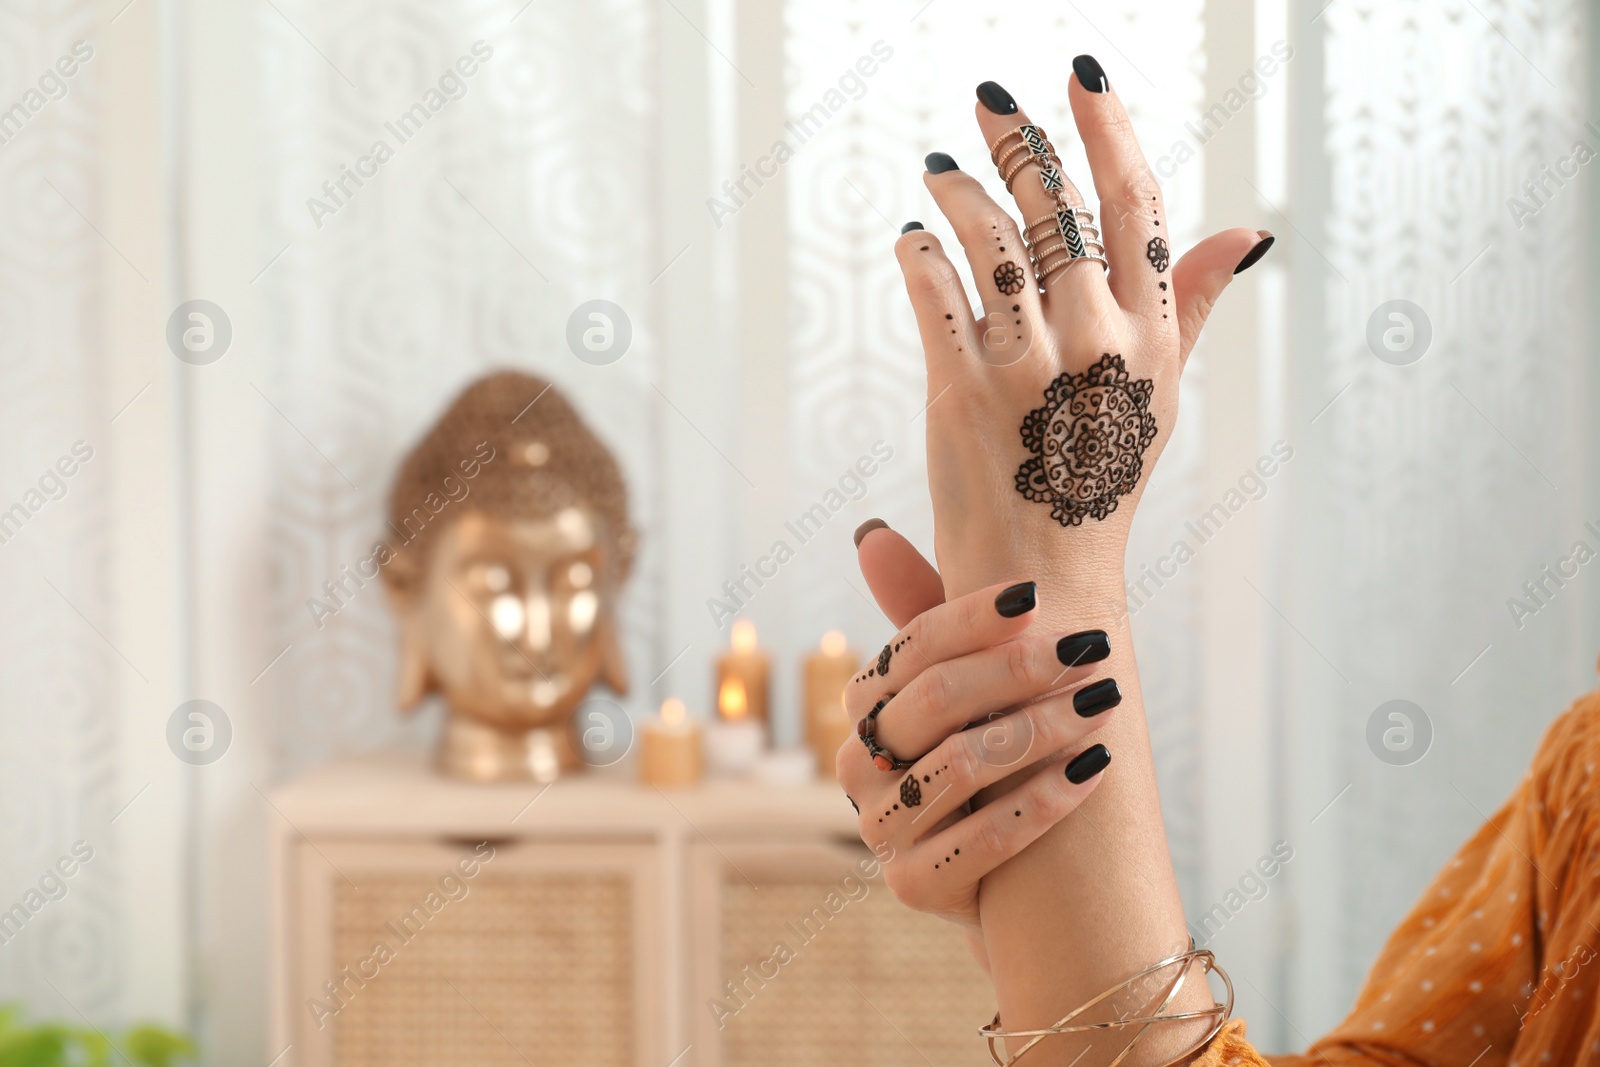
(1088,441)
(1009,278)
(1156,252)
(910,792)
(883,661)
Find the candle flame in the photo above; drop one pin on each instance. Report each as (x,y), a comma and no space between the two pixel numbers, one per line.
(833,643)
(744,636)
(732,701)
(672,711)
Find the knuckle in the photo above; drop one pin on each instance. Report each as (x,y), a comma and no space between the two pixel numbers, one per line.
(1112,121)
(959,752)
(1022,662)
(845,764)
(976,228)
(1055,802)
(988,839)
(930,281)
(902,883)
(974,612)
(931,691)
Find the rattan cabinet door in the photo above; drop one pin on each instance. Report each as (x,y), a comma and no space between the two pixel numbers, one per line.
(542,955)
(802,961)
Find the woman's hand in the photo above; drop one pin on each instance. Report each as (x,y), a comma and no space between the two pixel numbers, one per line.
(917,764)
(1044,420)
(1047,412)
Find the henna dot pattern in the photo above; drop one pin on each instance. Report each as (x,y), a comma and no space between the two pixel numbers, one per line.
(910,792)
(1156,252)
(1008,278)
(1088,441)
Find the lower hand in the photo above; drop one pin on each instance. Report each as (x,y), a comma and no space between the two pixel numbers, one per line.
(954,664)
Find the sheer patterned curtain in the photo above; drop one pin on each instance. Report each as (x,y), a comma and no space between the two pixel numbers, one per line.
(62,677)
(1433,490)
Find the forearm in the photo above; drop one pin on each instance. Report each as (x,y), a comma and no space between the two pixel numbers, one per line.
(1095,900)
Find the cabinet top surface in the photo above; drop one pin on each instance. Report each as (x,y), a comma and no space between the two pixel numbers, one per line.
(401,794)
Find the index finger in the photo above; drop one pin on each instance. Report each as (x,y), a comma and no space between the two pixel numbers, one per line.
(956,628)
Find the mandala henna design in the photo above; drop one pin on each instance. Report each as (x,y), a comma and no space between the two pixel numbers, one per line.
(1009,278)
(1088,441)
(910,791)
(1156,253)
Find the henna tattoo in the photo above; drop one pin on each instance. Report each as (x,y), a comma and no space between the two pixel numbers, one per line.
(1008,278)
(883,660)
(853,803)
(910,792)
(1088,441)
(1156,252)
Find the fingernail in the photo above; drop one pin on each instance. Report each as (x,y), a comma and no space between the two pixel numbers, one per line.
(868,526)
(912,225)
(1090,75)
(1255,253)
(1093,699)
(993,96)
(1017,600)
(1091,646)
(939,162)
(1088,763)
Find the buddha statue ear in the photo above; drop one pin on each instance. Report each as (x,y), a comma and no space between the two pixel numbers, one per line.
(416,676)
(613,670)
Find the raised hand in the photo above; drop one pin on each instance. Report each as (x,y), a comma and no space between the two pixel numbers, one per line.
(1048,411)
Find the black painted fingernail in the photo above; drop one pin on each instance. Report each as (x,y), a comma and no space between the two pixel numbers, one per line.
(912,225)
(993,96)
(1091,700)
(1088,763)
(867,527)
(1017,599)
(939,162)
(1255,253)
(1090,75)
(1091,646)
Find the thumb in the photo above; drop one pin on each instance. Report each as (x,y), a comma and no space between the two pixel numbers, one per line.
(1205,270)
(902,582)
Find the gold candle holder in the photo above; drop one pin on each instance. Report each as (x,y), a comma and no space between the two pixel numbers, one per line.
(670,754)
(826,673)
(744,678)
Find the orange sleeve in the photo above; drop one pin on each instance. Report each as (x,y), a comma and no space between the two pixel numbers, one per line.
(1494,963)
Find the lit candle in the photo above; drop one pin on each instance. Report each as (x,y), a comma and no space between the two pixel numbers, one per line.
(744,678)
(733,746)
(827,671)
(671,755)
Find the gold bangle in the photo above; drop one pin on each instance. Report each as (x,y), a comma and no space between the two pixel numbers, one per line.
(1222,1010)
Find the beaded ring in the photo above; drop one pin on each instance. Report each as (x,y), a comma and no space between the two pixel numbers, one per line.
(867,730)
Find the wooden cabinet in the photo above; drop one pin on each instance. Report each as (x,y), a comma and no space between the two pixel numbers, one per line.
(423,921)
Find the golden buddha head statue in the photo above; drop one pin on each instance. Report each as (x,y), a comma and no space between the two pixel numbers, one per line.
(512,545)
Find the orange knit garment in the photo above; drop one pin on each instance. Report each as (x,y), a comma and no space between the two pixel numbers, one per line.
(1497,964)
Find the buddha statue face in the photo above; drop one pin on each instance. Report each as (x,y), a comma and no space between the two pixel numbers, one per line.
(515,542)
(514,617)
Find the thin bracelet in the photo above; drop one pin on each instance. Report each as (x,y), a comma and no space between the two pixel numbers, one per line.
(1223,1011)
